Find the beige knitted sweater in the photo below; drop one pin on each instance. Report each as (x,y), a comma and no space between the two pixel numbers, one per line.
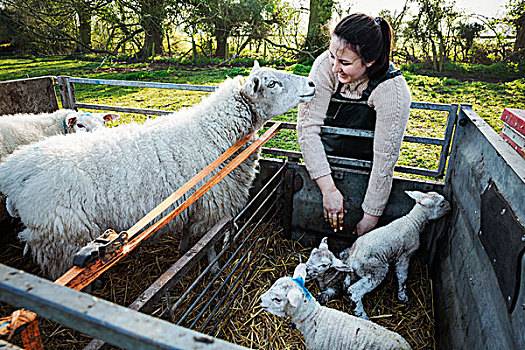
(391,101)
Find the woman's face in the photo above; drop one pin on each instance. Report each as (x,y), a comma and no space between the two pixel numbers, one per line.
(345,62)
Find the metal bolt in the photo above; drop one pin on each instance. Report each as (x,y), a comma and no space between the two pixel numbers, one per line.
(506,117)
(523,238)
(515,124)
(503,211)
(494,261)
(508,298)
(479,233)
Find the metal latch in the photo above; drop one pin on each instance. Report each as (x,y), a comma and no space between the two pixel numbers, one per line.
(108,243)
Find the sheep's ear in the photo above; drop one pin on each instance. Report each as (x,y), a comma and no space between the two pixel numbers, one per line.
(295,296)
(340,266)
(110,116)
(252,86)
(324,243)
(255,66)
(71,121)
(416,195)
(300,271)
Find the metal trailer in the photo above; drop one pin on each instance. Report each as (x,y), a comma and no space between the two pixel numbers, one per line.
(476,255)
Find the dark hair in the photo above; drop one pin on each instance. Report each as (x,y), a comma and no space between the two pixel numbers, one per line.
(370,38)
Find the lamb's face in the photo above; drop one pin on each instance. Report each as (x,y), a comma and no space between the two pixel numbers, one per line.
(275,92)
(285,295)
(435,203)
(88,122)
(321,260)
(275,300)
(318,263)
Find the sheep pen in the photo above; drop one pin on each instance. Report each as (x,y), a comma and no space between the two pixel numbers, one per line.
(244,323)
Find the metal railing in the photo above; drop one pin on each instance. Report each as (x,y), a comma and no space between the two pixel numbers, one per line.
(67,94)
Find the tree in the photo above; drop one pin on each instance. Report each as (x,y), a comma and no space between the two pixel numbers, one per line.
(152,14)
(516,16)
(318,35)
(224,18)
(467,33)
(434,26)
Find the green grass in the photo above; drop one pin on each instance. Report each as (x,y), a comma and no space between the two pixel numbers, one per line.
(488,99)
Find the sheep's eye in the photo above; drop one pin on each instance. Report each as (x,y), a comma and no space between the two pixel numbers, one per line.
(277,300)
(442,204)
(271,84)
(323,265)
(81,125)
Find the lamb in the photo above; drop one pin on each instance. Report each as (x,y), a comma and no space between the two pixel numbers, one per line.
(71,189)
(22,129)
(323,327)
(329,272)
(370,255)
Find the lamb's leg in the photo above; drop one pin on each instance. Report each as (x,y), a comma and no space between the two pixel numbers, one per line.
(402,274)
(326,295)
(359,289)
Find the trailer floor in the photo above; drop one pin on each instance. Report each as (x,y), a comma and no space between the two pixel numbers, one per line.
(245,322)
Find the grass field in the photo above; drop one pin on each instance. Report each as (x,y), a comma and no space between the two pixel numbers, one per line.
(487,98)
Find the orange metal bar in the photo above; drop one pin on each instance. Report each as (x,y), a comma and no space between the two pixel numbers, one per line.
(79,278)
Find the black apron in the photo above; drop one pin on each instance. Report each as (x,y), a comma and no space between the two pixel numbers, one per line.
(353,114)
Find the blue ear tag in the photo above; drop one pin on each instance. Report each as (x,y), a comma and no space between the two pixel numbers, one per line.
(300,283)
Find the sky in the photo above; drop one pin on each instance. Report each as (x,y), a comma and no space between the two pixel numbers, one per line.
(489,8)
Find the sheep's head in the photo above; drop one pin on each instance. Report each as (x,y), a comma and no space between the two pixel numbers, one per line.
(435,204)
(87,122)
(285,294)
(273,92)
(322,259)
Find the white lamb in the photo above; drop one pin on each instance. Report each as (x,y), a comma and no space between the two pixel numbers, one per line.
(71,189)
(329,272)
(22,129)
(322,327)
(370,255)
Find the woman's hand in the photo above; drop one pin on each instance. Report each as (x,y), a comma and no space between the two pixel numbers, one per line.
(333,202)
(367,224)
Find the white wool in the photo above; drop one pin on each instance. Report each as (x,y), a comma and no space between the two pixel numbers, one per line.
(69,190)
(22,129)
(370,255)
(323,327)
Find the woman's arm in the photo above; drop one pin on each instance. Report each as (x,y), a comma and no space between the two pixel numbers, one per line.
(310,118)
(391,100)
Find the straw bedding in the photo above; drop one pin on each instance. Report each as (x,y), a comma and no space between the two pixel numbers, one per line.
(244,323)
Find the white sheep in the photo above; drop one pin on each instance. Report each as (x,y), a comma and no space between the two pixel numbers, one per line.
(21,129)
(322,327)
(329,272)
(370,255)
(71,189)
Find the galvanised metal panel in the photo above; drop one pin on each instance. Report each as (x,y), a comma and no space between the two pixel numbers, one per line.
(470,308)
(115,324)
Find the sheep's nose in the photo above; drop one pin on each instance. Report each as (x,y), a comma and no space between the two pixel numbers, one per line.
(311,84)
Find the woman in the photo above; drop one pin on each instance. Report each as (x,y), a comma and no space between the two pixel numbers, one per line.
(356,87)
